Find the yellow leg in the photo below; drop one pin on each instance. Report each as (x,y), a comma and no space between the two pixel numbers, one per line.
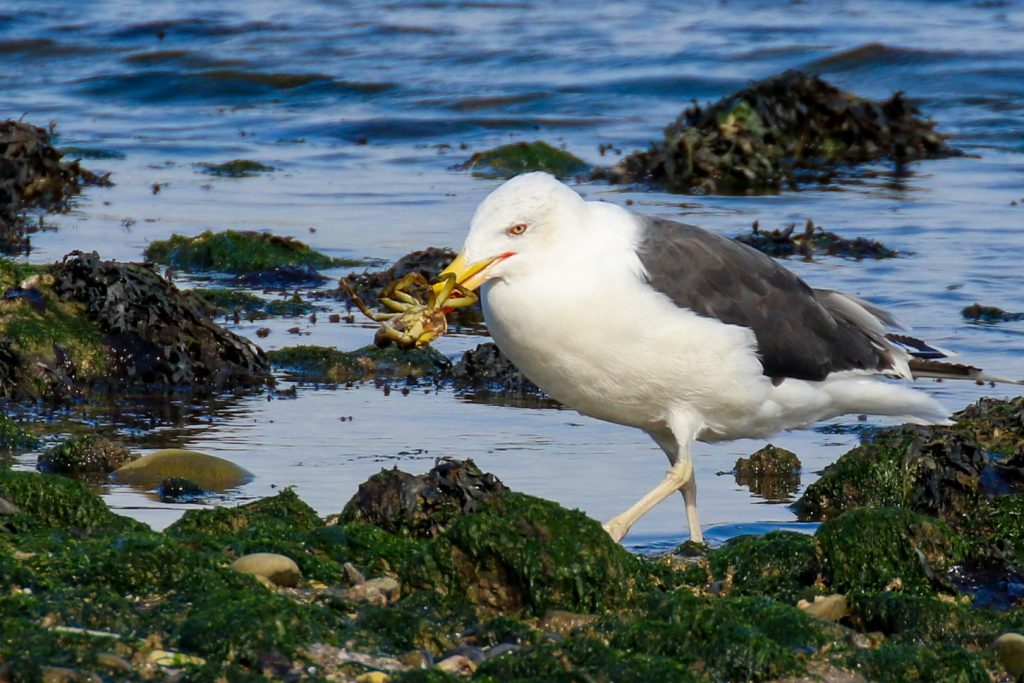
(676,441)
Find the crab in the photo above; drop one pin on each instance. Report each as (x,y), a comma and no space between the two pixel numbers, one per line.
(413,323)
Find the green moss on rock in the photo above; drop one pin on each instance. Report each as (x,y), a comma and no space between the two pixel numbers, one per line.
(587,659)
(523,553)
(735,638)
(873,548)
(781,564)
(892,663)
(54,502)
(233,302)
(285,510)
(523,157)
(14,437)
(327,364)
(238,252)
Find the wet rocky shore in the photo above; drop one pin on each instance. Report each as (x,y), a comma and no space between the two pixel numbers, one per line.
(916,571)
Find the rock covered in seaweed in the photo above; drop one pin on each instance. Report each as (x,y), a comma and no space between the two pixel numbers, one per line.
(523,157)
(778,132)
(422,506)
(32,175)
(239,253)
(486,370)
(84,455)
(153,334)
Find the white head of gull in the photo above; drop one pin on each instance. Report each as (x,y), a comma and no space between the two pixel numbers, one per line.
(678,331)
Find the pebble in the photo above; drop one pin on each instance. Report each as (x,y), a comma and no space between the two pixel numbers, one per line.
(501,649)
(417,659)
(373,677)
(457,665)
(277,568)
(827,607)
(355,577)
(563,622)
(1010,651)
(470,652)
(60,674)
(379,591)
(112,661)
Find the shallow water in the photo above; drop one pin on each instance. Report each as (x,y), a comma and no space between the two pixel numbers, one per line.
(365,108)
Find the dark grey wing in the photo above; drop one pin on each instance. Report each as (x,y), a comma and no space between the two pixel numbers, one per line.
(798,334)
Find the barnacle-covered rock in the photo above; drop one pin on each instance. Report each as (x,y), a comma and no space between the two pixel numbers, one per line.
(777,132)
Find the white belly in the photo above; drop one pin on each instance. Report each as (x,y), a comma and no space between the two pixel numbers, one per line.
(626,355)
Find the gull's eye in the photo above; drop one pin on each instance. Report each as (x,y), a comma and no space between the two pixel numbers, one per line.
(517,229)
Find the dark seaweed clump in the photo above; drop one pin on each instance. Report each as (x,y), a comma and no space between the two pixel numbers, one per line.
(778,132)
(989,314)
(485,372)
(32,176)
(422,506)
(813,241)
(154,334)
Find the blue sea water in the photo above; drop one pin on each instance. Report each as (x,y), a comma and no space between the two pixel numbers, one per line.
(365,109)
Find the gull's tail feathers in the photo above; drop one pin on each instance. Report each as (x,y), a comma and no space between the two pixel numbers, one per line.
(935,369)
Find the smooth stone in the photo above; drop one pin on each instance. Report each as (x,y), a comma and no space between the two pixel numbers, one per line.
(354,576)
(502,649)
(827,607)
(1010,651)
(8,508)
(379,591)
(563,622)
(417,659)
(470,652)
(373,677)
(208,471)
(277,568)
(457,665)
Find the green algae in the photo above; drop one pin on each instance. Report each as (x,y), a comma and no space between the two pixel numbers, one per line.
(523,157)
(233,302)
(874,474)
(781,564)
(328,364)
(14,437)
(733,638)
(524,553)
(586,659)
(55,502)
(285,510)
(236,168)
(881,548)
(237,252)
(893,663)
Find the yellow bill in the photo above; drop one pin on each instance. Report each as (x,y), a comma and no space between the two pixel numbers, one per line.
(469,276)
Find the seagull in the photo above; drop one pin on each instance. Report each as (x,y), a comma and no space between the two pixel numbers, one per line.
(679,331)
